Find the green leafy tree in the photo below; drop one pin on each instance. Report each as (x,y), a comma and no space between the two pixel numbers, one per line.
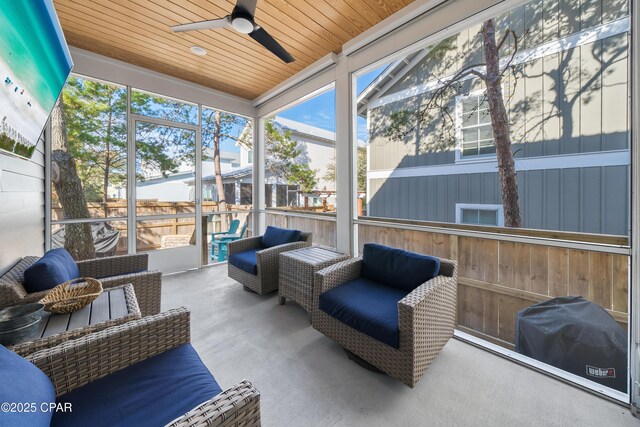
(96,120)
(285,158)
(161,150)
(89,148)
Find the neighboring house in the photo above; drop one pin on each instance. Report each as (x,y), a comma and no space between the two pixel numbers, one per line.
(319,148)
(318,151)
(237,173)
(176,186)
(569,125)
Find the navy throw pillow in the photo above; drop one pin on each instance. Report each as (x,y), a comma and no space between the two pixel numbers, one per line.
(396,267)
(55,267)
(274,236)
(22,382)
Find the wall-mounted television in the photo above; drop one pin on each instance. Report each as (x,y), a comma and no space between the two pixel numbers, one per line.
(34,66)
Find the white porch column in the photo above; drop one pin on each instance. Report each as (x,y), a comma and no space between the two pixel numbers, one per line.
(258,177)
(634,349)
(344,159)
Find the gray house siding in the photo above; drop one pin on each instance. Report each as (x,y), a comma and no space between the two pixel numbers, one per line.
(570,102)
(590,200)
(548,117)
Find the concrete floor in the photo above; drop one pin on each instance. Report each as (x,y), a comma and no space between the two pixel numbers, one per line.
(305,379)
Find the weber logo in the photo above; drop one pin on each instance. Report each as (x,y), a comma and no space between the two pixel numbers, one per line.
(592,371)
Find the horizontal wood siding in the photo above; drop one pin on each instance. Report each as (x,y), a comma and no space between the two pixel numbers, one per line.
(21,207)
(499,278)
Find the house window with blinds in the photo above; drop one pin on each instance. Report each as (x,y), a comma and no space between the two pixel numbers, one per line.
(475,135)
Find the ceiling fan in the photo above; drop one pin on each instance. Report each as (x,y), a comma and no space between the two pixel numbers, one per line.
(241,20)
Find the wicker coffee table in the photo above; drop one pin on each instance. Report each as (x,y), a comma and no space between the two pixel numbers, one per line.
(114,306)
(297,270)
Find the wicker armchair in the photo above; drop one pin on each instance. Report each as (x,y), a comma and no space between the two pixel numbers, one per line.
(112,271)
(426,321)
(266,281)
(78,362)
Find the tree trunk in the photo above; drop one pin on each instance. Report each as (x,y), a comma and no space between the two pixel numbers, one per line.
(107,160)
(222,203)
(77,239)
(500,124)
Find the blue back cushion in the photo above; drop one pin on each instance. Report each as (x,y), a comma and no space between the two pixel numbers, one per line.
(367,306)
(55,267)
(149,393)
(274,236)
(22,382)
(396,267)
(245,261)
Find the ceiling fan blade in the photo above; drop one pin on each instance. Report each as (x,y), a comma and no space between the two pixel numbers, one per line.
(248,6)
(262,37)
(203,25)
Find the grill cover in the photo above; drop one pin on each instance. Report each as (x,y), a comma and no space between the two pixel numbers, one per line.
(577,336)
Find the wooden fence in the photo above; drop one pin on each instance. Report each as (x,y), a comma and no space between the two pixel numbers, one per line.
(324,230)
(497,278)
(150,233)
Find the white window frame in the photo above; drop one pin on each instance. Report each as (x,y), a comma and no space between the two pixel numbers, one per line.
(459,157)
(499,209)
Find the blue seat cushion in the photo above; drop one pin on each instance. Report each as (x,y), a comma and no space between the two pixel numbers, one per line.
(368,306)
(245,261)
(398,268)
(274,236)
(22,382)
(149,393)
(55,267)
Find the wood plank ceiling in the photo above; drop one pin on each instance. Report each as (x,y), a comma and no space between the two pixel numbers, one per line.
(137,32)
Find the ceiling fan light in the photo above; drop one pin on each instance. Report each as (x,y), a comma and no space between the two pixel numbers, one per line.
(242,25)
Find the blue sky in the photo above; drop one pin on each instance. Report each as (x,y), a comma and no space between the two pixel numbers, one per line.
(319,111)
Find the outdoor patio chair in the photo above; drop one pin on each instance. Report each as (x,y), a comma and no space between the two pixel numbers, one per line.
(233,229)
(253,261)
(221,242)
(391,308)
(142,373)
(112,271)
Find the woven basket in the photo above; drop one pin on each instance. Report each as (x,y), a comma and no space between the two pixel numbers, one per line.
(72,295)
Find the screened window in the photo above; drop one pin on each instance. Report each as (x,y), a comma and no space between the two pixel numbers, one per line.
(96,137)
(226,156)
(300,154)
(424,122)
(230,192)
(246,194)
(162,107)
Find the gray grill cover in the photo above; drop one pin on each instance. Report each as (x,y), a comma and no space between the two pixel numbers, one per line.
(577,336)
(105,239)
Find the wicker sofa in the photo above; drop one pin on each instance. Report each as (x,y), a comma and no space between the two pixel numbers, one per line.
(112,271)
(266,279)
(88,372)
(424,321)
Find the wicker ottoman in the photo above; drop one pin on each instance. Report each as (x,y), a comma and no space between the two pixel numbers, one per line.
(297,270)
